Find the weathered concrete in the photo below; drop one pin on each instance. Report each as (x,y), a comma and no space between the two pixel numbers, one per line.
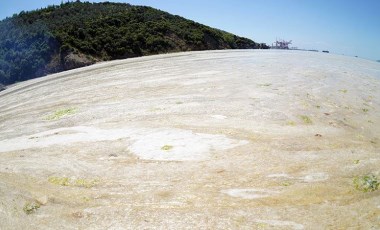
(206,140)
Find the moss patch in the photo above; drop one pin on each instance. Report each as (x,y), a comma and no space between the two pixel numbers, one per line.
(265,85)
(306,120)
(291,123)
(61,113)
(62,181)
(286,183)
(367,183)
(166,147)
(86,183)
(30,207)
(80,182)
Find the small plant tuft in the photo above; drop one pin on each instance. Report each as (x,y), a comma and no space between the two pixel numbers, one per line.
(86,183)
(286,183)
(306,120)
(265,85)
(291,123)
(30,207)
(61,113)
(367,183)
(80,182)
(63,181)
(166,147)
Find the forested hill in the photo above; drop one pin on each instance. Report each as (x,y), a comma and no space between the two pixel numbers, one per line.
(76,34)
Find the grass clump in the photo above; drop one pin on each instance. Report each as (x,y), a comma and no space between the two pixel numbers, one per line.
(343,90)
(265,85)
(86,183)
(306,120)
(61,113)
(286,183)
(63,181)
(80,182)
(166,147)
(367,183)
(291,123)
(365,110)
(30,207)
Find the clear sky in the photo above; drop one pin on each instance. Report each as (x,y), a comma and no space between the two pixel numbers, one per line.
(350,27)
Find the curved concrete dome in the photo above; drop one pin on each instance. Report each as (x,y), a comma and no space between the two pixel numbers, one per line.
(203,140)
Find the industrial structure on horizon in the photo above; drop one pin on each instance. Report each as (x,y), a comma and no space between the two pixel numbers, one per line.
(284,45)
(281,44)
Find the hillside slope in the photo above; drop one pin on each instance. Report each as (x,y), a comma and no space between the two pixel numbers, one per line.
(76,34)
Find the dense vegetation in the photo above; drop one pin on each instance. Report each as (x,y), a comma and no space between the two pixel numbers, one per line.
(76,34)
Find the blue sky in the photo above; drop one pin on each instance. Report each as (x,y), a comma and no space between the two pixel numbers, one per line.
(349,27)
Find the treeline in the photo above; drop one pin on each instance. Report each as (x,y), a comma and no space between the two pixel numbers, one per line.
(76,34)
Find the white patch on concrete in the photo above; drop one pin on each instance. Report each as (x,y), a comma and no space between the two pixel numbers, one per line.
(210,72)
(249,193)
(201,78)
(278,223)
(184,145)
(279,175)
(219,117)
(147,143)
(315,177)
(196,81)
(62,136)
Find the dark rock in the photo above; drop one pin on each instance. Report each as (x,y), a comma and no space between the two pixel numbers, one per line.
(74,60)
(2,87)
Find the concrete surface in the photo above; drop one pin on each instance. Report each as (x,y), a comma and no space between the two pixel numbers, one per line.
(198,140)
